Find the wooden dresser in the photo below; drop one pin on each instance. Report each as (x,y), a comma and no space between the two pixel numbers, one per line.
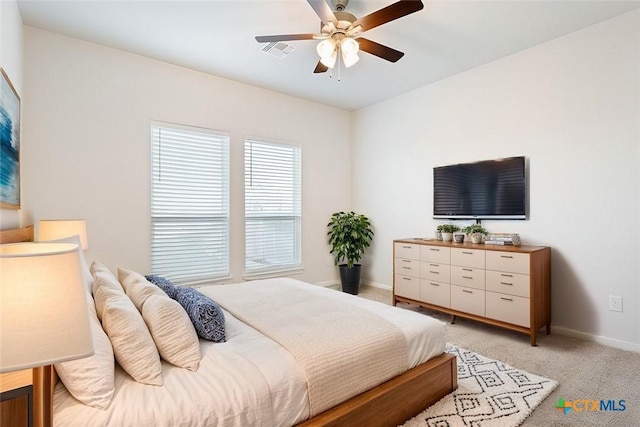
(506,286)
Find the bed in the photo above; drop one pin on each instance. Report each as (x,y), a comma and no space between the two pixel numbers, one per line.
(250,379)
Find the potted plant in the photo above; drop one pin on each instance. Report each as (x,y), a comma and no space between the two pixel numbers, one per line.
(349,235)
(476,232)
(447,231)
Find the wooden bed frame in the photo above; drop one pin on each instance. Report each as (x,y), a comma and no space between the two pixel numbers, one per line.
(388,404)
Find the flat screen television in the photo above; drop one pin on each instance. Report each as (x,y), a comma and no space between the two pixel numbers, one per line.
(489,189)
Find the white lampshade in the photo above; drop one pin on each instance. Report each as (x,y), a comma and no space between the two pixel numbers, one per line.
(326,48)
(43,306)
(350,59)
(349,46)
(53,229)
(329,61)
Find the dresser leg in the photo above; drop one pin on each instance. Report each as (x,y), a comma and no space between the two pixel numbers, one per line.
(548,328)
(533,338)
(453,319)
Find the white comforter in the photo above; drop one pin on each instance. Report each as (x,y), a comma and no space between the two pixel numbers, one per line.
(247,381)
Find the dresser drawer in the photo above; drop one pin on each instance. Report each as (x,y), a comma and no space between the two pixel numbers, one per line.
(508,283)
(433,271)
(508,261)
(467,276)
(467,257)
(436,293)
(436,254)
(408,287)
(407,267)
(407,250)
(468,300)
(508,308)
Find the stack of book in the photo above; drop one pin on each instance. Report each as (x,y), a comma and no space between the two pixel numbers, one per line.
(511,239)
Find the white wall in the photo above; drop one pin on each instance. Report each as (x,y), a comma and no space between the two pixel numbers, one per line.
(11,61)
(86,153)
(572,107)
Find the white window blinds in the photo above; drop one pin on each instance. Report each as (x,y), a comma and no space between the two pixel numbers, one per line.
(272,207)
(189,203)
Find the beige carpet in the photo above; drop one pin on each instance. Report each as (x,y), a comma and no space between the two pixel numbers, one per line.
(584,370)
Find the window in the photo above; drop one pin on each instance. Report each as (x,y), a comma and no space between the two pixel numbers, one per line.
(189,203)
(272,207)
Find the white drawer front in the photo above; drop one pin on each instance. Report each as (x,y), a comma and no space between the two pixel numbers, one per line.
(467,276)
(467,257)
(508,261)
(433,271)
(407,267)
(408,287)
(508,308)
(467,299)
(436,254)
(435,292)
(508,283)
(407,250)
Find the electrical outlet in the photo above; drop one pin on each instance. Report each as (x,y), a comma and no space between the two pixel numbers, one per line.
(615,303)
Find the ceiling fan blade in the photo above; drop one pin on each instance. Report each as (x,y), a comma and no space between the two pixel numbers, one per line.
(379,50)
(284,37)
(388,14)
(320,68)
(322,9)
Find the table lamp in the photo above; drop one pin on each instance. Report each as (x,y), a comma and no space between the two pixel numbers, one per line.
(43,306)
(52,229)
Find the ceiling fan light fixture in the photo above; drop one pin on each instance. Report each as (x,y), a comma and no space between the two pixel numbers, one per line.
(330,61)
(326,48)
(349,46)
(349,59)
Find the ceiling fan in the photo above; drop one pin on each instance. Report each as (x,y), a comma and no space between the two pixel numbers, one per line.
(340,32)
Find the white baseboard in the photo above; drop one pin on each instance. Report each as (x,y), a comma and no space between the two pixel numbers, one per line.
(611,342)
(377,285)
(327,283)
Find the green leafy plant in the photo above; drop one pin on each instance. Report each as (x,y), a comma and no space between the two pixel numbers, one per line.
(349,235)
(449,228)
(474,229)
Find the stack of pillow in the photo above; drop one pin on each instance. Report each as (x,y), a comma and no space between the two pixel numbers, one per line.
(139,323)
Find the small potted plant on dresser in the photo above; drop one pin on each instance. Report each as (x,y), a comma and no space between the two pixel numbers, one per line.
(447,231)
(476,232)
(349,235)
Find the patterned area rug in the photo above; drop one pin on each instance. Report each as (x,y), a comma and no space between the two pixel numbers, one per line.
(490,394)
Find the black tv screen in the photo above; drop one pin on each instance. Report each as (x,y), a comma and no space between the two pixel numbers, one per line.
(489,189)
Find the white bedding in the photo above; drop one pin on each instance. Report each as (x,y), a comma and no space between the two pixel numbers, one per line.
(249,380)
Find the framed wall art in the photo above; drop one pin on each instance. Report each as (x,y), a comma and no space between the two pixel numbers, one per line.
(9,144)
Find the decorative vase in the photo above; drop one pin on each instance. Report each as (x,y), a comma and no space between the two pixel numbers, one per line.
(350,278)
(476,238)
(458,237)
(438,235)
(447,237)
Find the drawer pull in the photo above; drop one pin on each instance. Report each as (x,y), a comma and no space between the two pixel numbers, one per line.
(434,272)
(466,291)
(407,268)
(506,299)
(434,249)
(434,284)
(467,269)
(406,260)
(406,278)
(467,277)
(406,247)
(434,265)
(506,256)
(467,253)
(506,275)
(506,283)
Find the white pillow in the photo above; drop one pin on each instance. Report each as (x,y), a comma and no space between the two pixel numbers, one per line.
(132,344)
(103,282)
(91,380)
(170,326)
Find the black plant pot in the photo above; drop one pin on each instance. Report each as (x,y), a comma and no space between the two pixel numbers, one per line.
(350,278)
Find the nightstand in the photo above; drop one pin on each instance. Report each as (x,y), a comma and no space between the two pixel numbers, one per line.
(16,399)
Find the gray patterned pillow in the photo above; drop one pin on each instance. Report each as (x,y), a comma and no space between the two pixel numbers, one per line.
(207,316)
(165,284)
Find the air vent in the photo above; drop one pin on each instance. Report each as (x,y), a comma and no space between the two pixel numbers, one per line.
(278,49)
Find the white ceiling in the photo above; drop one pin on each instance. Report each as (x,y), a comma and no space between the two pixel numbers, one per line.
(217,37)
